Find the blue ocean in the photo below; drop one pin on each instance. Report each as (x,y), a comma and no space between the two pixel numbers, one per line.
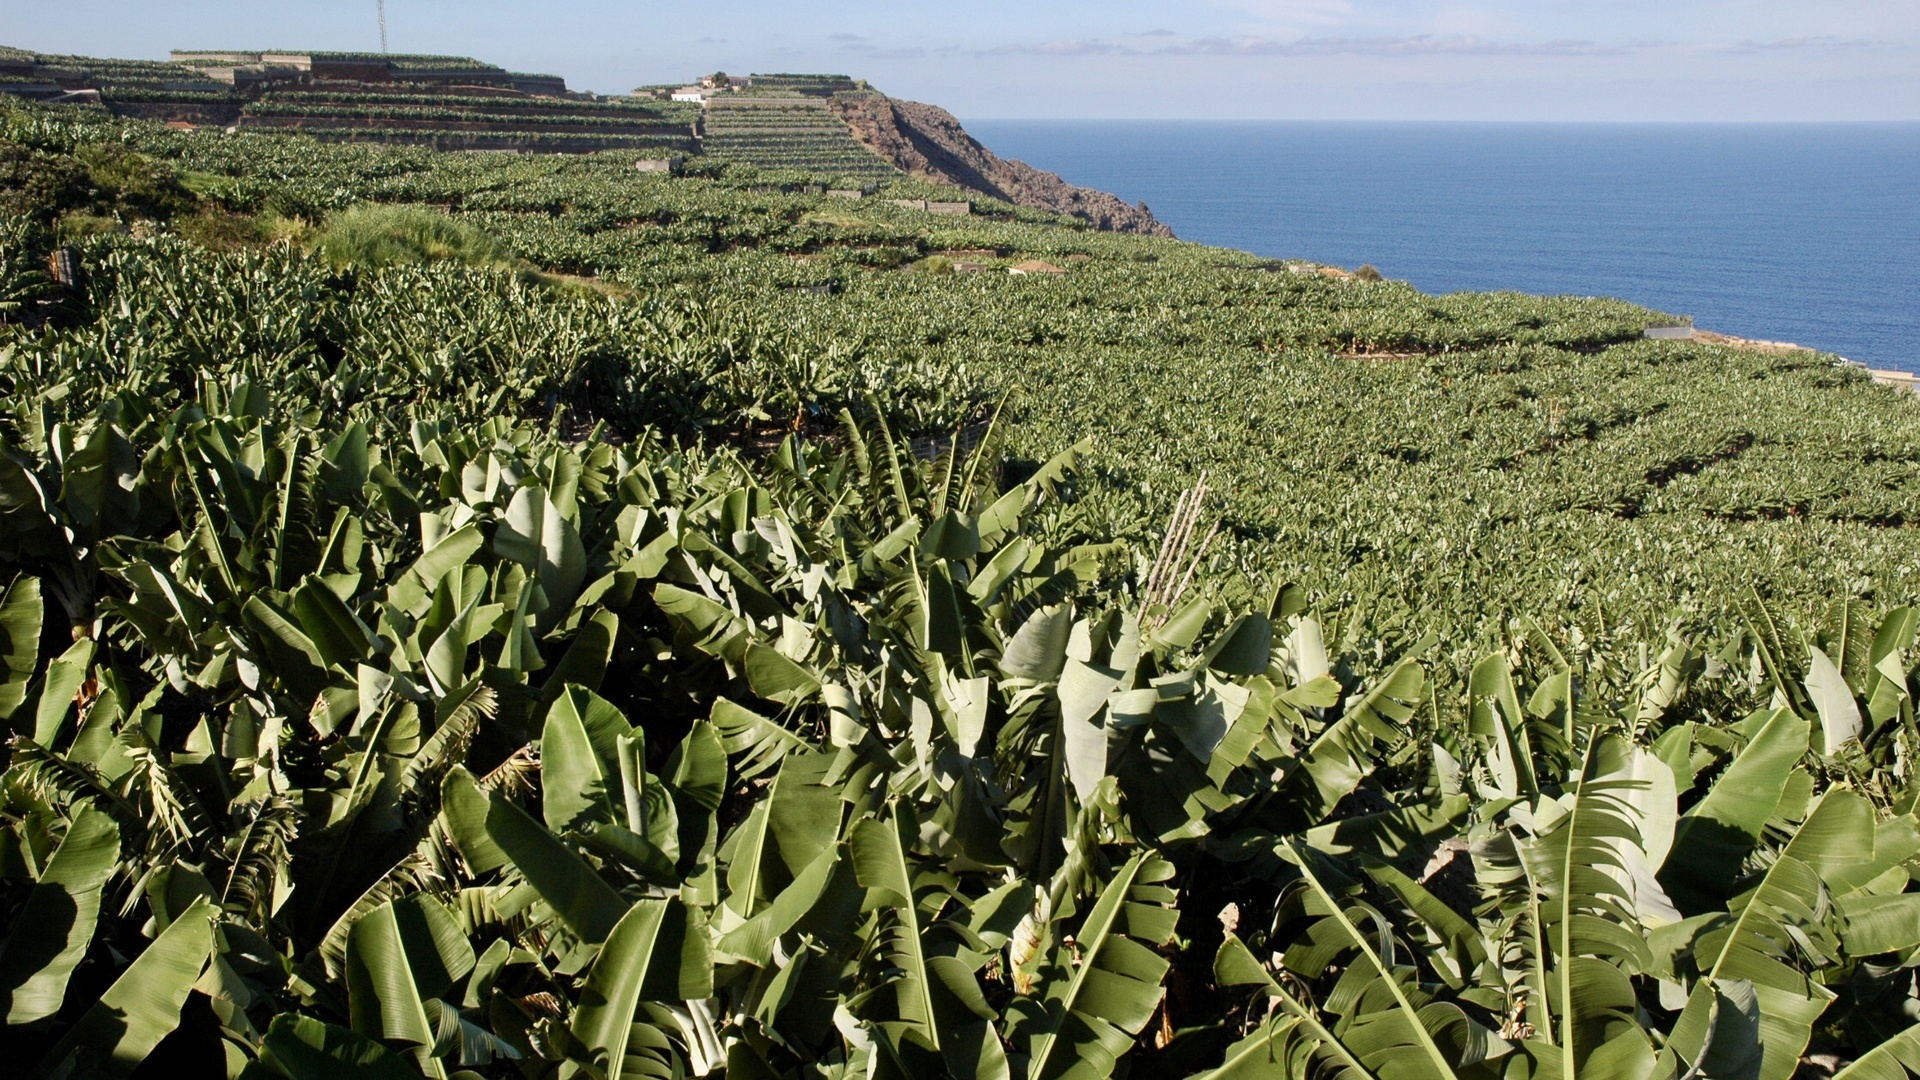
(1808,233)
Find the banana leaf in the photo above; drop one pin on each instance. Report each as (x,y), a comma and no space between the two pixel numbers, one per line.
(143,1005)
(50,936)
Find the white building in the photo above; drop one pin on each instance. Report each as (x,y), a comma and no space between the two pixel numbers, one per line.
(695,94)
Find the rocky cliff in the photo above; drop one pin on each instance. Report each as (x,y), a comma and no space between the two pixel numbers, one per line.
(927,142)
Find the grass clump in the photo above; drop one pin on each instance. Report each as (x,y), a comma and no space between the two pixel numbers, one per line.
(220,230)
(374,236)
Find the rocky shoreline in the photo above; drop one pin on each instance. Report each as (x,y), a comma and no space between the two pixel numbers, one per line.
(927,142)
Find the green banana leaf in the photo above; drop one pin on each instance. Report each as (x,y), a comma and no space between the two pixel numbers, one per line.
(1754,944)
(299,1047)
(1090,1008)
(58,690)
(21,612)
(1896,1059)
(657,952)
(49,937)
(578,781)
(1716,834)
(143,1005)
(399,956)
(566,881)
(880,865)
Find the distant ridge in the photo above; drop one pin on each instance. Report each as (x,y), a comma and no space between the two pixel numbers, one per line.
(928,142)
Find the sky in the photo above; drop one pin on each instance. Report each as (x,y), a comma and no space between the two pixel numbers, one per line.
(1607,60)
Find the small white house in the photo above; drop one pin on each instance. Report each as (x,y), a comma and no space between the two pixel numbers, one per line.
(695,94)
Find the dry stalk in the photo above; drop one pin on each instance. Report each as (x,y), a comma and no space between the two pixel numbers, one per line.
(1161,561)
(514,776)
(1193,564)
(1179,558)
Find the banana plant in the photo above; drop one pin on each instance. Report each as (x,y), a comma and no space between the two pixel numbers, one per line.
(477,750)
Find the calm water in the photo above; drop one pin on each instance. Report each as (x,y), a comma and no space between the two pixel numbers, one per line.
(1803,233)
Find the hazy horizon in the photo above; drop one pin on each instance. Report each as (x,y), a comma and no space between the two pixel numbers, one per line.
(1373,60)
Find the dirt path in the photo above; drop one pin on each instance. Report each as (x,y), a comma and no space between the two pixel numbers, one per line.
(1728,341)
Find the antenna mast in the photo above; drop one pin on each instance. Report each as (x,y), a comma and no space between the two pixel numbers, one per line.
(383,26)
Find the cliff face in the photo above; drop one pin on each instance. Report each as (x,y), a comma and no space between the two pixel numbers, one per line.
(927,142)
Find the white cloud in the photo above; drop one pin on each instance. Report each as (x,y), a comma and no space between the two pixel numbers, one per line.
(1255,46)
(1804,44)
(1291,12)
(1167,44)
(1417,45)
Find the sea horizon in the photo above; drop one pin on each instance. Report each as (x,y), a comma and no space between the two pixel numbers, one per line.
(1803,231)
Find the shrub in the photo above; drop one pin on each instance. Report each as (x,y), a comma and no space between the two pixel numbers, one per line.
(23,260)
(280,229)
(134,183)
(82,225)
(884,258)
(218,230)
(101,179)
(37,185)
(1369,273)
(400,235)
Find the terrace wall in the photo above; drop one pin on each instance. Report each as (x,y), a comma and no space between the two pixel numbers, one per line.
(233,59)
(197,113)
(251,121)
(301,61)
(539,85)
(351,71)
(952,209)
(511,142)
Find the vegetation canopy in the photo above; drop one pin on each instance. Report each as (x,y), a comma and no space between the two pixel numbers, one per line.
(775,641)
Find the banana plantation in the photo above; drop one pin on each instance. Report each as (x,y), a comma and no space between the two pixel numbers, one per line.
(689,642)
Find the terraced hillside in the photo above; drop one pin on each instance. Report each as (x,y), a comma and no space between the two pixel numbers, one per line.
(833,127)
(808,85)
(30,74)
(453,121)
(787,132)
(253,67)
(447,102)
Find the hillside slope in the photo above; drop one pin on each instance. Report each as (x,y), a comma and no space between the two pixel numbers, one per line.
(928,142)
(798,122)
(417,665)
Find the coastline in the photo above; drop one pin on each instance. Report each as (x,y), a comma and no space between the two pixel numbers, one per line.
(1899,380)
(1723,222)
